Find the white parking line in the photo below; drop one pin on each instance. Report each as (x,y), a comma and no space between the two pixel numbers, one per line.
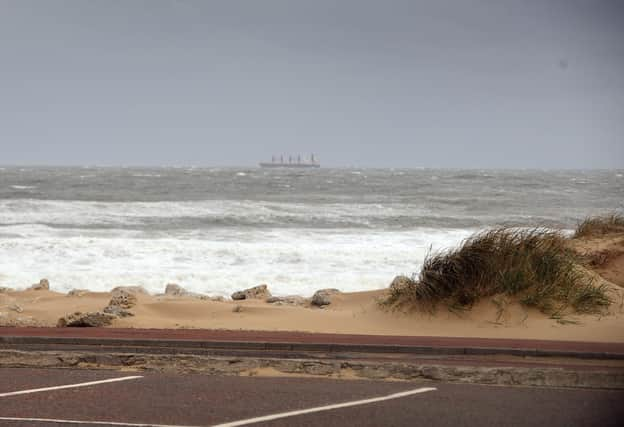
(61,387)
(326,408)
(99,423)
(235,423)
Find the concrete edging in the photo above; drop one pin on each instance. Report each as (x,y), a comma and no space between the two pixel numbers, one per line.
(351,369)
(303,347)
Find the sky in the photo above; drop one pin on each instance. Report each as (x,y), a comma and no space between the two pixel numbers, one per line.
(457,84)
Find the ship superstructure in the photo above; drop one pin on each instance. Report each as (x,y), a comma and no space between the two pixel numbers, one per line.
(291,162)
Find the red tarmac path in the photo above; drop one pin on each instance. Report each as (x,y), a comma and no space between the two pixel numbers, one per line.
(208,335)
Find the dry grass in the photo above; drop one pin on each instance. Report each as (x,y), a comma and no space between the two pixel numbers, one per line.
(534,266)
(600,225)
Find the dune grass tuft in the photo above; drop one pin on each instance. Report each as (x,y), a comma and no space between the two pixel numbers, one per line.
(534,266)
(600,225)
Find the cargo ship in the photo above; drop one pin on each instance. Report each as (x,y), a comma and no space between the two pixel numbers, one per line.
(291,162)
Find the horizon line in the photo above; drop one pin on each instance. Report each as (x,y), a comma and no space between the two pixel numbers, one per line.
(256,166)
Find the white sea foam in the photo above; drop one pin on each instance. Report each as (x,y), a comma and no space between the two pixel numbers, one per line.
(23,187)
(78,213)
(290,261)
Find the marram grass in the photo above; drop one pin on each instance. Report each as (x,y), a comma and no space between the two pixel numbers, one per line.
(600,225)
(535,266)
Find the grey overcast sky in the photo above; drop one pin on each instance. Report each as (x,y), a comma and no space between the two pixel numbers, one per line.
(476,84)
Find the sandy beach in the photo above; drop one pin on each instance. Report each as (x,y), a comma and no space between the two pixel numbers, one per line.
(353,313)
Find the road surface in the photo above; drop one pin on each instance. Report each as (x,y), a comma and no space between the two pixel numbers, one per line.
(131,399)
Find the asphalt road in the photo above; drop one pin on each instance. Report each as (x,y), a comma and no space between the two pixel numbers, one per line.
(199,400)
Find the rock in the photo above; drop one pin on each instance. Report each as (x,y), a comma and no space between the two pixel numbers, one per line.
(123,298)
(92,319)
(400,283)
(238,295)
(257,292)
(4,290)
(15,307)
(43,285)
(117,311)
(77,292)
(175,290)
(237,309)
(323,296)
(290,300)
(136,290)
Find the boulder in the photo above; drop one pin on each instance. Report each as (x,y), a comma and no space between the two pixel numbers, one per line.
(175,290)
(400,283)
(77,292)
(257,292)
(92,319)
(323,296)
(122,298)
(117,311)
(136,290)
(4,290)
(290,300)
(43,285)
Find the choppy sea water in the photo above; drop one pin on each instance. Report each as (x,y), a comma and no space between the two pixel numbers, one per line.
(217,230)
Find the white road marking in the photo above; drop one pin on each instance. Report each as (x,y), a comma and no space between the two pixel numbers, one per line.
(234,423)
(325,408)
(99,423)
(61,387)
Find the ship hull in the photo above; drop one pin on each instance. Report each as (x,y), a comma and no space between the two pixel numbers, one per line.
(290,165)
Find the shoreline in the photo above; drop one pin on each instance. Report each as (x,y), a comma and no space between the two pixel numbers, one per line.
(329,310)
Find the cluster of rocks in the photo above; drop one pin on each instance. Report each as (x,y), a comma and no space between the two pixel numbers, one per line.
(43,285)
(122,299)
(321,298)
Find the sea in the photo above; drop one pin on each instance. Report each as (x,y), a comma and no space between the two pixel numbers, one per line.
(218,230)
